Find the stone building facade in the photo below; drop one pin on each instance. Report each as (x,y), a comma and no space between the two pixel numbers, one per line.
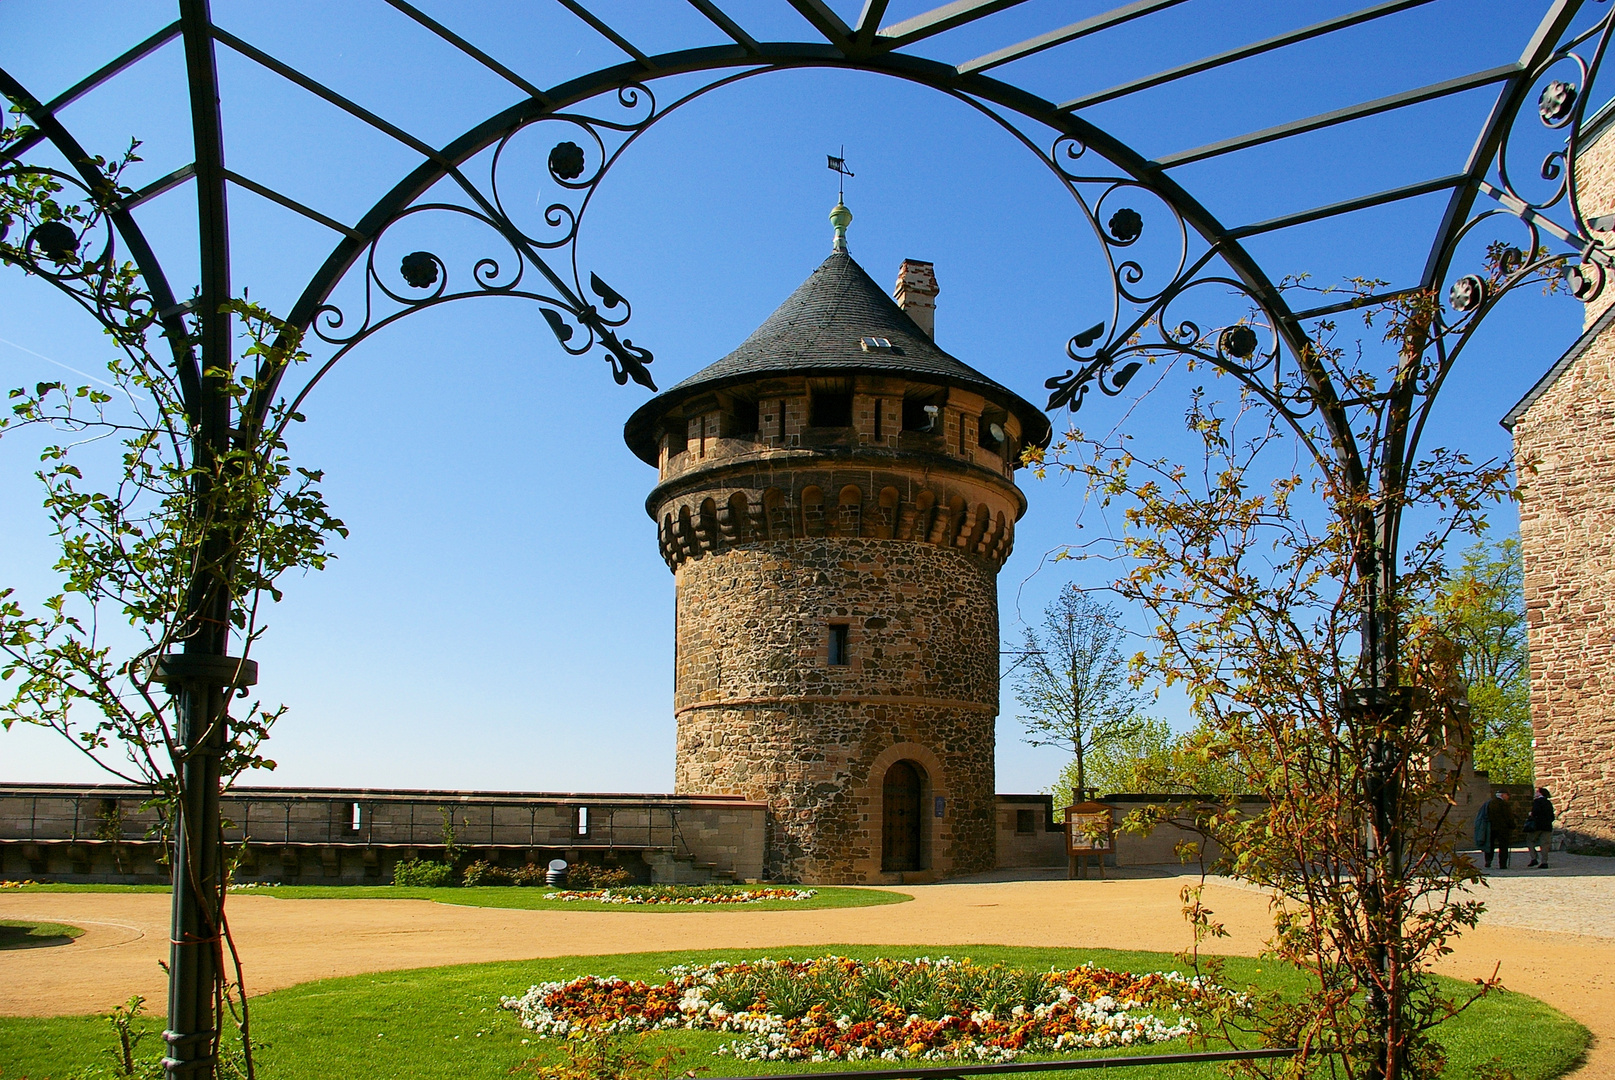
(1564,447)
(835,499)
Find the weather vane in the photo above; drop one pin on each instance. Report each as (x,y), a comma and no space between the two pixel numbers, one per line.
(839,165)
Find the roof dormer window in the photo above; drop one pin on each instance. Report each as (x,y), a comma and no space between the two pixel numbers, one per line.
(876,344)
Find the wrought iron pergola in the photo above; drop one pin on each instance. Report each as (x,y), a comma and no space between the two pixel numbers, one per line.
(587,122)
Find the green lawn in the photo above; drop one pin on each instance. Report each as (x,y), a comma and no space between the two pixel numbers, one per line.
(509,896)
(15,934)
(445,1022)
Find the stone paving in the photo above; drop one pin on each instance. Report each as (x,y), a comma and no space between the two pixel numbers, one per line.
(1574,895)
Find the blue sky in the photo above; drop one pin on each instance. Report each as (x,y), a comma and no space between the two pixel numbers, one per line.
(499,617)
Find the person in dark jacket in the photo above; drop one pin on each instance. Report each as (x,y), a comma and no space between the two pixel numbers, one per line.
(1499,829)
(1539,829)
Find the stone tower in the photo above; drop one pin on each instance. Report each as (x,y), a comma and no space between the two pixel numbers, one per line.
(835,498)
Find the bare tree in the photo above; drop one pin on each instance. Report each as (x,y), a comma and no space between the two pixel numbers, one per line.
(1072,679)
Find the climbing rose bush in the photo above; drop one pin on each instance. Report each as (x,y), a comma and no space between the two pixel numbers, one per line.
(836,1009)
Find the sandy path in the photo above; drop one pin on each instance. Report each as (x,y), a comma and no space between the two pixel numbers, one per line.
(293,941)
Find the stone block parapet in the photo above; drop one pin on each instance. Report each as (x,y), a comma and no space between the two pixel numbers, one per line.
(104,832)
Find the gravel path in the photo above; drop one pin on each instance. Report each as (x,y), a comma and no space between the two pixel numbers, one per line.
(292,941)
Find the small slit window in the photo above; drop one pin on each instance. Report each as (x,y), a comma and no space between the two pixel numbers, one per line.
(355,817)
(876,344)
(580,819)
(838,645)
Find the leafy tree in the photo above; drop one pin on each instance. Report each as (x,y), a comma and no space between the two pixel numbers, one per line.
(1253,572)
(1072,680)
(1482,609)
(1155,759)
(131,544)
(173,497)
(1128,763)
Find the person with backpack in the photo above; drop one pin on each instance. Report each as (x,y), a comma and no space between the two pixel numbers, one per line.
(1539,829)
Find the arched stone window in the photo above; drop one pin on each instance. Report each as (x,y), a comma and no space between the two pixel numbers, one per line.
(739,530)
(902,793)
(888,513)
(776,514)
(812,511)
(851,505)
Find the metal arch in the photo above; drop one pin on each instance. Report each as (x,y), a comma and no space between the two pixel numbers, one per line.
(212,205)
(866,46)
(779,56)
(1223,242)
(863,46)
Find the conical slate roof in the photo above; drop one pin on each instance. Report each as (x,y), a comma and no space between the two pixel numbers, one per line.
(818,330)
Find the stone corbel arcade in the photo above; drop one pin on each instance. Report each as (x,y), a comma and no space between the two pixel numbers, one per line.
(736,468)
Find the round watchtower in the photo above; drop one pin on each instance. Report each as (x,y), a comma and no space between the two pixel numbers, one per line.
(835,499)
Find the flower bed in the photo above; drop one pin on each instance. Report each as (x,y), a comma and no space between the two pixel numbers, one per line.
(680,894)
(835,1009)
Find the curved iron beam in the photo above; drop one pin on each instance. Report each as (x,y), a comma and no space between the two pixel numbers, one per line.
(791,55)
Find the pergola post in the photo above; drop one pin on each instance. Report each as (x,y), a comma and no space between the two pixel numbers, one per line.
(203,670)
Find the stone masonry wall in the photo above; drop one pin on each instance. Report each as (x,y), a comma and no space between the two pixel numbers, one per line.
(1564,446)
(1595,186)
(761,712)
(1567,507)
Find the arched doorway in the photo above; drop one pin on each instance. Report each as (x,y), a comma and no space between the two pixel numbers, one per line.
(900,817)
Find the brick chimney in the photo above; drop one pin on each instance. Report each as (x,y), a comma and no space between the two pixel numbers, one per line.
(916,294)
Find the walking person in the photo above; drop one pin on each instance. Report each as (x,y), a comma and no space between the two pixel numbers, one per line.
(1483,833)
(1499,829)
(1539,829)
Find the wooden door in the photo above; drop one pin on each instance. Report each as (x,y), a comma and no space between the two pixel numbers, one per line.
(900,818)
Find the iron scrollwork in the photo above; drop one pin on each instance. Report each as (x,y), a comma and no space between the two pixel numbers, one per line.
(1573,253)
(1143,324)
(582,310)
(77,252)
